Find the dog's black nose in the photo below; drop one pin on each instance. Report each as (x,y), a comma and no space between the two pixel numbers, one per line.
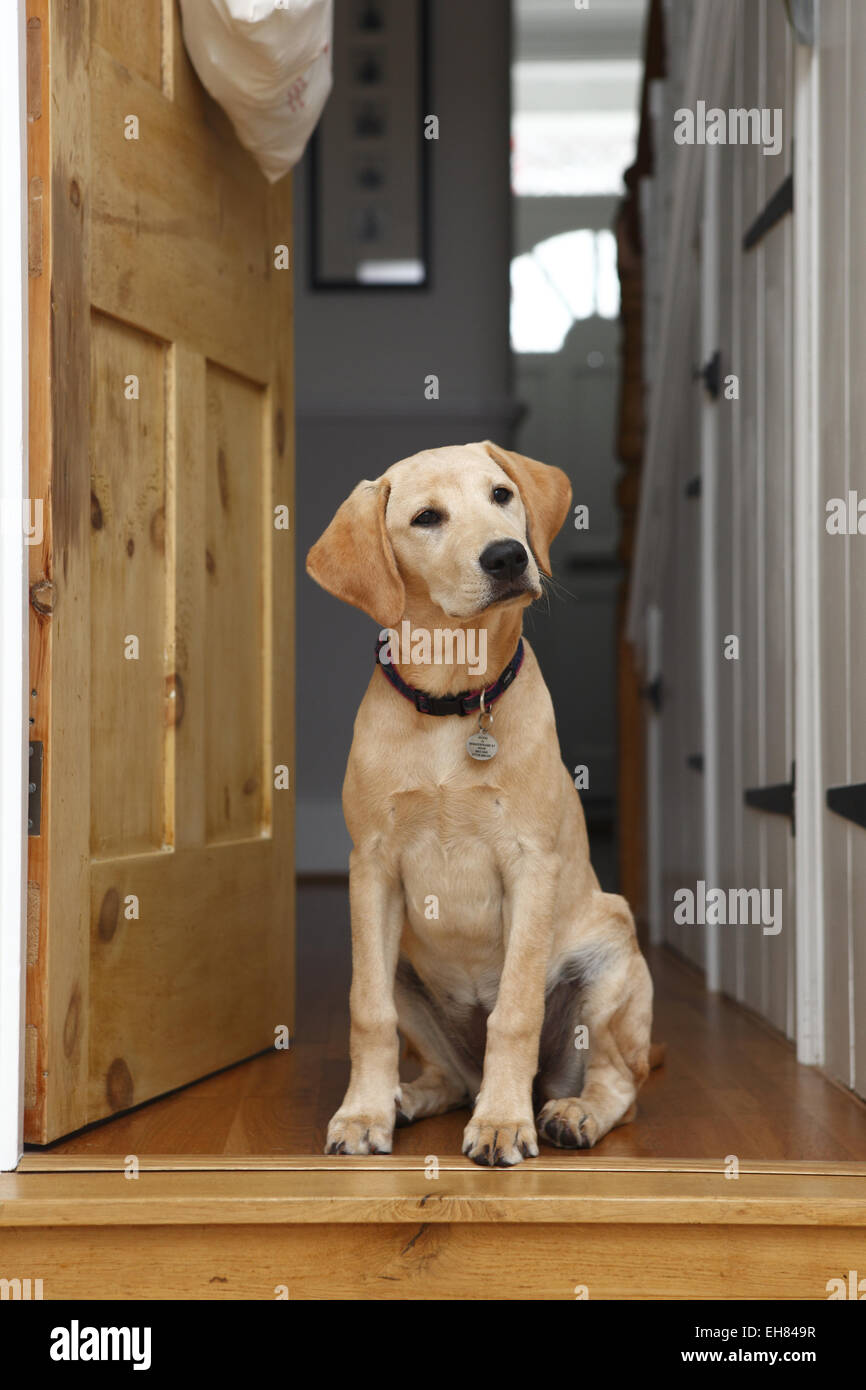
(505,560)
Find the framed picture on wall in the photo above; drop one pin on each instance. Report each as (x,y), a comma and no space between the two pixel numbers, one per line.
(369,180)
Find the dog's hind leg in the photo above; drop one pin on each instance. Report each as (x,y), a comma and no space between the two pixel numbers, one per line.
(613,1000)
(431,1093)
(445,1082)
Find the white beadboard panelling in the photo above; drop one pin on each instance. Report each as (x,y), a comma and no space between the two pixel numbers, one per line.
(750,164)
(790,319)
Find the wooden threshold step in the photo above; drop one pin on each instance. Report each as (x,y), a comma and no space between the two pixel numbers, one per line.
(332,1233)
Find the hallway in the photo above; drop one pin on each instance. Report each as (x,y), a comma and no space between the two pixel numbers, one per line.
(730,1085)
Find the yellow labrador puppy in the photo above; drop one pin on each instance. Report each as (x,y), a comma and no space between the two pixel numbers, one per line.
(478,925)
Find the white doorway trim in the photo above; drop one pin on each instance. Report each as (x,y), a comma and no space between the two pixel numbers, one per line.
(13,574)
(808,509)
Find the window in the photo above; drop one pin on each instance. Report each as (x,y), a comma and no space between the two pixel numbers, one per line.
(565,278)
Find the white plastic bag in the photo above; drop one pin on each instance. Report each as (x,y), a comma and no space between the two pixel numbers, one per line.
(268,64)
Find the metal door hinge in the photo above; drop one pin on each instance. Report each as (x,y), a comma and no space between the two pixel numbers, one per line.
(711,374)
(849,802)
(777,800)
(34,787)
(802,18)
(653,693)
(782,202)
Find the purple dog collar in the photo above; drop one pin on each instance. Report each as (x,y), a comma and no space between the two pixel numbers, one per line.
(465,703)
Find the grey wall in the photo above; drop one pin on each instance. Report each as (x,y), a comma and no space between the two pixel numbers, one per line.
(361,361)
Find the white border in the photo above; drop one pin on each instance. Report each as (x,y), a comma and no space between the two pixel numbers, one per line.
(13,574)
(808,508)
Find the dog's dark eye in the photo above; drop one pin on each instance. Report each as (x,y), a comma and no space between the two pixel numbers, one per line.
(428,517)
(502,495)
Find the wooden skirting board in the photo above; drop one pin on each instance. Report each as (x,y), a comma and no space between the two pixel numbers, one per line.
(205,1228)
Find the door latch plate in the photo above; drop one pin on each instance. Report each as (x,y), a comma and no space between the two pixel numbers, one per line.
(34,787)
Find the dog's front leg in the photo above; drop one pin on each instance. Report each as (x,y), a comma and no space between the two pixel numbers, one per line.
(364,1122)
(502,1130)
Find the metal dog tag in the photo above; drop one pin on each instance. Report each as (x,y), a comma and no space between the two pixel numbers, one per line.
(481,745)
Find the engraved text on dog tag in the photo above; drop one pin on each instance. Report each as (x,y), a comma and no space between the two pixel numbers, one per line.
(481,745)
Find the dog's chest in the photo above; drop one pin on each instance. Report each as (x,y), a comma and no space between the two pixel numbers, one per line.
(449,843)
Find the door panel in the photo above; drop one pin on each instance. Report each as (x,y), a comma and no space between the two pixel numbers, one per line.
(161,884)
(128,598)
(133,34)
(234,616)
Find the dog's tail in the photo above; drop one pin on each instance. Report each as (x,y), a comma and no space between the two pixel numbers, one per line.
(658,1052)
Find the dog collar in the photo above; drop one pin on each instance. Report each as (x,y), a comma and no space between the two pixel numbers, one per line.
(465,703)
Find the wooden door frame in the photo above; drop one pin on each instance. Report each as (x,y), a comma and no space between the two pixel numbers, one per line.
(13,575)
(25,1202)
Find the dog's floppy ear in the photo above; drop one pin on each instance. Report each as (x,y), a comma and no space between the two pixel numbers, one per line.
(546,494)
(353,558)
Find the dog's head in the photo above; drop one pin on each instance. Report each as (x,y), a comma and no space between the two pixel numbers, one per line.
(464,528)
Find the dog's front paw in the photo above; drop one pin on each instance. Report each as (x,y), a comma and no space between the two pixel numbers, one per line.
(359,1134)
(499,1143)
(569,1124)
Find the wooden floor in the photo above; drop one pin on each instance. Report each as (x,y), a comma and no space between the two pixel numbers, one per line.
(729,1085)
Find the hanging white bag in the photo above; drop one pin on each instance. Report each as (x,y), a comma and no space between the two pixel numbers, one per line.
(268,64)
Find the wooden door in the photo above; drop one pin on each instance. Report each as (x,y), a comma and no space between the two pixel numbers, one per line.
(160,886)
